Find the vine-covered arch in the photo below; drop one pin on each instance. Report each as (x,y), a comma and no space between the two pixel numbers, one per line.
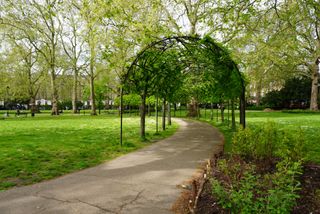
(182,55)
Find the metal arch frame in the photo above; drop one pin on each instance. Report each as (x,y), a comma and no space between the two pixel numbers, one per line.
(210,44)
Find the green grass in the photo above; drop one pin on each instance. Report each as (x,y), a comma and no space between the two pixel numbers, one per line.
(44,147)
(308,123)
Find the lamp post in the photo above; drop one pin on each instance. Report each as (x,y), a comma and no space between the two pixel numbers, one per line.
(7,100)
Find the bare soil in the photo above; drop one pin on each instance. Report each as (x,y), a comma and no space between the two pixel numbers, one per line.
(309,201)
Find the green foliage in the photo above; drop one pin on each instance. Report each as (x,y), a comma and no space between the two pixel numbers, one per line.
(241,190)
(284,189)
(254,107)
(269,141)
(295,92)
(151,100)
(301,111)
(129,100)
(261,173)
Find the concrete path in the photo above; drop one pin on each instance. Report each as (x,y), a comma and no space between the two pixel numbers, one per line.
(141,182)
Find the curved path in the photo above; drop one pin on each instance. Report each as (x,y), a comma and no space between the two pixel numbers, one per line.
(141,182)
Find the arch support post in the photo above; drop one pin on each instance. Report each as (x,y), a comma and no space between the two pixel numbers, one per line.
(121,115)
(243,109)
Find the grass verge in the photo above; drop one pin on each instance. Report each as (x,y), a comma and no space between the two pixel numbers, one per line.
(40,148)
(307,123)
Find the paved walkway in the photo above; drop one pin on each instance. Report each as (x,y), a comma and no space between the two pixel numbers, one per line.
(141,182)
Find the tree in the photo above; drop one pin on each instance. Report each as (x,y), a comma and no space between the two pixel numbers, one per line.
(40,25)
(28,72)
(168,80)
(90,12)
(282,41)
(304,20)
(141,81)
(294,94)
(73,42)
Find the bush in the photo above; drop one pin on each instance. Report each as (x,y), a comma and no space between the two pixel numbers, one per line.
(268,142)
(298,111)
(260,176)
(254,107)
(240,189)
(294,94)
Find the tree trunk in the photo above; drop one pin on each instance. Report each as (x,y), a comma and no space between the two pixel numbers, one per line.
(193,108)
(157,121)
(243,107)
(75,92)
(121,116)
(92,96)
(54,103)
(143,117)
(217,115)
(228,113)
(211,116)
(169,114)
(314,90)
(32,94)
(55,108)
(107,106)
(32,105)
(233,117)
(222,112)
(164,114)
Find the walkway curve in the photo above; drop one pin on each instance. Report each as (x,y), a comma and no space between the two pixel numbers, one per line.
(141,182)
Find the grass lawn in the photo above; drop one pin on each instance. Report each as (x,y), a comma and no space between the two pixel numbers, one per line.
(307,123)
(35,149)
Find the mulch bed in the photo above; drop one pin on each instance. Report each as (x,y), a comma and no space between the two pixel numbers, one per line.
(309,201)
(207,203)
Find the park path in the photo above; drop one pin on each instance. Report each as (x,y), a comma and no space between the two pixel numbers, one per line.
(142,182)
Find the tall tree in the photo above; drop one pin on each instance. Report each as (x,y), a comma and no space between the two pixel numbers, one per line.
(39,23)
(73,41)
(91,16)
(29,70)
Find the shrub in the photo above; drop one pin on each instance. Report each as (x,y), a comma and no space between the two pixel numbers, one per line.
(260,174)
(300,111)
(268,142)
(240,189)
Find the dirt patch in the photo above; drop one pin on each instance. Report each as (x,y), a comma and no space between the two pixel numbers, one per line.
(268,110)
(207,203)
(309,201)
(181,206)
(192,188)
(188,201)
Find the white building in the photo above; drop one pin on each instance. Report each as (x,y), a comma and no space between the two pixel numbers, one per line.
(43,102)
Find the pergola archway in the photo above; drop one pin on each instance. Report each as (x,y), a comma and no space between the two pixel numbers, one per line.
(205,53)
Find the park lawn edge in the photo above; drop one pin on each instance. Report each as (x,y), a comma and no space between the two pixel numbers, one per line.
(151,138)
